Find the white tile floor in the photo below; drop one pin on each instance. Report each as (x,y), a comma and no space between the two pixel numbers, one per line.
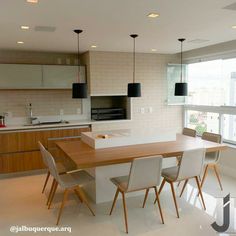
(21,203)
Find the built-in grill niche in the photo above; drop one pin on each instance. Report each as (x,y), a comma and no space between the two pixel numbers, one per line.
(110,108)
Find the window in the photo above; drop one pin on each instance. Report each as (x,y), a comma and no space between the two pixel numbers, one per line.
(229,75)
(211,104)
(229,127)
(173,76)
(203,121)
(212,83)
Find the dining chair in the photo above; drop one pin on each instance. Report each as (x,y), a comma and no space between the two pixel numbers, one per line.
(137,180)
(212,158)
(62,169)
(189,132)
(67,181)
(190,166)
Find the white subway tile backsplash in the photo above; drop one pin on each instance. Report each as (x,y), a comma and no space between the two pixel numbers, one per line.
(44,102)
(111,71)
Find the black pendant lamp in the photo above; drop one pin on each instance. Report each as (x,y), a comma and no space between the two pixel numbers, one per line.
(134,89)
(79,90)
(181,89)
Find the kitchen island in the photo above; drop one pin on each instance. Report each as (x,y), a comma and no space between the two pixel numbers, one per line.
(102,190)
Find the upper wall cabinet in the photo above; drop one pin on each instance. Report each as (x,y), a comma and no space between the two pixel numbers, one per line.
(18,76)
(56,76)
(14,76)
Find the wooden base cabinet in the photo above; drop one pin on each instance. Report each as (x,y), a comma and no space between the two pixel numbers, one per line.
(19,151)
(16,162)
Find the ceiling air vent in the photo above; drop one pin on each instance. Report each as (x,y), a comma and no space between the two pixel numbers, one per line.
(198,41)
(231,7)
(44,28)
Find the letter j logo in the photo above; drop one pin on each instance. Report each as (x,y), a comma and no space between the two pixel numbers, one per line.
(226,216)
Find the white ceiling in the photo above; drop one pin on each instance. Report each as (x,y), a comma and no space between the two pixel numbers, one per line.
(108,23)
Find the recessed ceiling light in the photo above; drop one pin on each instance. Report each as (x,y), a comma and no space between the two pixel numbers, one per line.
(20,42)
(24,27)
(153,15)
(153,50)
(32,1)
(234,27)
(93,46)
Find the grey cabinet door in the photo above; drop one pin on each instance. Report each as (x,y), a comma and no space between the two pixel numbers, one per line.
(18,76)
(58,76)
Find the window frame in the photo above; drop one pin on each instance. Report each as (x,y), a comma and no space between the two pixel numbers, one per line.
(220,110)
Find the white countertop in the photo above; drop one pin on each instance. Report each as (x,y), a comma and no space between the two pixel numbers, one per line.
(124,137)
(71,123)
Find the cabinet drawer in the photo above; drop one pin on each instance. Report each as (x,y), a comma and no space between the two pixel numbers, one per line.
(19,151)
(16,162)
(9,142)
(28,140)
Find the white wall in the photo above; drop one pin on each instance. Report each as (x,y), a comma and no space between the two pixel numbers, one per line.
(110,72)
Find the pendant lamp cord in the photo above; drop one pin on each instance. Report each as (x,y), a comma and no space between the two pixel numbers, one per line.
(78,61)
(134,62)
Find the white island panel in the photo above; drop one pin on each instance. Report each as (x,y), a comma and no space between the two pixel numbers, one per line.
(125,137)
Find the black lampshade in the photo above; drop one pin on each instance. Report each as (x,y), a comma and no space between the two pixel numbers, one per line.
(79,90)
(134,90)
(181,89)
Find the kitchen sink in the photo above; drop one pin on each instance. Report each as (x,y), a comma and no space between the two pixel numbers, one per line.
(49,123)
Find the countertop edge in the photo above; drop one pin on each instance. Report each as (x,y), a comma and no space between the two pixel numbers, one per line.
(70,124)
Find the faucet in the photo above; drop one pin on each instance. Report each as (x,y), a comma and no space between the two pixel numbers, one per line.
(31,118)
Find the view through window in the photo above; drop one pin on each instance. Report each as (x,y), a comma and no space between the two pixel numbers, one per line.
(212,86)
(212,83)
(203,121)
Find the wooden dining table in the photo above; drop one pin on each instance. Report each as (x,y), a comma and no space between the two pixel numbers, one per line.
(85,156)
(106,163)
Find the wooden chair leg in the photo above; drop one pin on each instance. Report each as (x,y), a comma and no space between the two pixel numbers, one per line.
(160,189)
(178,184)
(50,194)
(84,199)
(81,200)
(204,175)
(178,159)
(114,201)
(199,177)
(185,183)
(125,212)
(145,198)
(162,185)
(159,204)
(62,204)
(53,194)
(46,181)
(200,191)
(218,176)
(174,197)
